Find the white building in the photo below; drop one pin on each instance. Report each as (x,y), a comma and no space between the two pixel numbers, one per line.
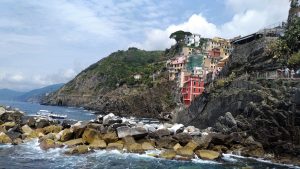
(193,39)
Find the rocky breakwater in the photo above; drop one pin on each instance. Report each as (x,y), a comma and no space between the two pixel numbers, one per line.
(110,132)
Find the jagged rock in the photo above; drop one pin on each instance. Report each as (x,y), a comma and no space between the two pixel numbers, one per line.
(52,129)
(90,135)
(203,141)
(229,119)
(160,133)
(5,138)
(51,136)
(98,144)
(81,149)
(47,144)
(168,154)
(208,154)
(110,137)
(183,138)
(115,146)
(220,148)
(66,135)
(74,142)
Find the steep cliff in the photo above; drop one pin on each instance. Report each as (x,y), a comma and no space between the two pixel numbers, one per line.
(110,85)
(268,110)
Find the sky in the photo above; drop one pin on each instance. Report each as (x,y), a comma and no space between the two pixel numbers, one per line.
(46,42)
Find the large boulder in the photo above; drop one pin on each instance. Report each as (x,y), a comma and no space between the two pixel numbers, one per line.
(111,119)
(160,133)
(66,135)
(68,123)
(42,122)
(5,139)
(110,137)
(7,116)
(166,142)
(81,149)
(185,151)
(26,129)
(183,138)
(168,154)
(135,148)
(74,142)
(13,134)
(115,146)
(147,146)
(8,125)
(47,144)
(136,132)
(208,154)
(52,129)
(98,144)
(90,135)
(78,129)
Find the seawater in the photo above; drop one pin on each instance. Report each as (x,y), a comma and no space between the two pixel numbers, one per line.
(29,155)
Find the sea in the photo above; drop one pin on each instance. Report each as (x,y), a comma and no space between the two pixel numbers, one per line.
(29,155)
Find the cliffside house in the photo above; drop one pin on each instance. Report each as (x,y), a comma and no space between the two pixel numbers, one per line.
(175,66)
(193,86)
(193,40)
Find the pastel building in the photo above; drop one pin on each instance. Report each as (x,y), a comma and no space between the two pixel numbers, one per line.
(193,86)
(175,66)
(193,40)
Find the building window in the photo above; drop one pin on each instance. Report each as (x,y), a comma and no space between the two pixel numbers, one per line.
(194,89)
(194,83)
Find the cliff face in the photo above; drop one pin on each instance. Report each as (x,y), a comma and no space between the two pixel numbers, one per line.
(109,86)
(269,110)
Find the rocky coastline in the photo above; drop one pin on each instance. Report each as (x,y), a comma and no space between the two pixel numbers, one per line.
(110,132)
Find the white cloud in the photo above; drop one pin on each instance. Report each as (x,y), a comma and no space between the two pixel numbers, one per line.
(250,16)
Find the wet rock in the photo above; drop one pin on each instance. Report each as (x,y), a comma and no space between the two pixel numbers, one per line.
(208,154)
(74,142)
(51,136)
(115,146)
(160,133)
(98,144)
(183,138)
(66,135)
(168,154)
(192,144)
(110,137)
(90,135)
(47,144)
(17,141)
(52,129)
(81,149)
(220,148)
(5,138)
(229,120)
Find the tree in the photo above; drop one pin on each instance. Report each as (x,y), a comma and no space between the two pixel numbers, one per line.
(294,60)
(179,36)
